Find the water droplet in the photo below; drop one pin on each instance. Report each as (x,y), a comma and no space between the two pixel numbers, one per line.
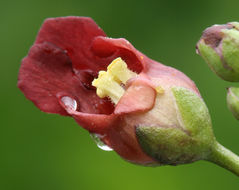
(69,102)
(99,143)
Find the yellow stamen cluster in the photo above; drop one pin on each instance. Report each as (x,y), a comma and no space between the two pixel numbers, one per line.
(109,83)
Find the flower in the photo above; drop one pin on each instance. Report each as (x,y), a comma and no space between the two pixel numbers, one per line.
(218,46)
(149,113)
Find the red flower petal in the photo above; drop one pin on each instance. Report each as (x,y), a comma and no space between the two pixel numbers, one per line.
(139,97)
(75,35)
(46,75)
(122,138)
(113,48)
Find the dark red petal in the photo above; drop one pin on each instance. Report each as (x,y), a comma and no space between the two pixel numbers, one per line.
(94,123)
(46,75)
(112,48)
(75,35)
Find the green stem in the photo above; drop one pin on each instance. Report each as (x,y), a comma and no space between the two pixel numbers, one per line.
(225,158)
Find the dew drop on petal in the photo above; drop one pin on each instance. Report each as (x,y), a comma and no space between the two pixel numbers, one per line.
(69,102)
(99,143)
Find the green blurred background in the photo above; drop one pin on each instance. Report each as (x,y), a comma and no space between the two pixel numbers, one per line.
(39,151)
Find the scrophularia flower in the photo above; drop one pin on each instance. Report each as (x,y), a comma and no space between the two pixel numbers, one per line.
(149,113)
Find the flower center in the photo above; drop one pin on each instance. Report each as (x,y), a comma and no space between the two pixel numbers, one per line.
(110,83)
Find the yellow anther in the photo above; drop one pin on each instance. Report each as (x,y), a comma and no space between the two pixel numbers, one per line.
(109,82)
(118,69)
(159,90)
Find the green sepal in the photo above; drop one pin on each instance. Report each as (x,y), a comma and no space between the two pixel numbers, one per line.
(230,51)
(180,144)
(214,61)
(169,146)
(233,101)
(194,114)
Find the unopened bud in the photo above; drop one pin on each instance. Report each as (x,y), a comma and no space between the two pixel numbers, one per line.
(219,47)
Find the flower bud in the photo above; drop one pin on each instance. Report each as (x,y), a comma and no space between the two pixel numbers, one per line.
(219,47)
(233,101)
